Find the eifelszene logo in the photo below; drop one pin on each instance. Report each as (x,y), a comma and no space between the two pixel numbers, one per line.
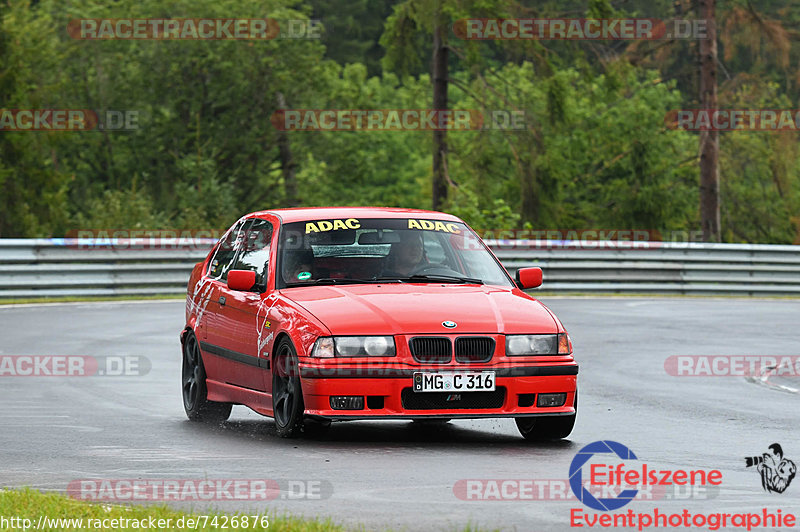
(776,471)
(619,482)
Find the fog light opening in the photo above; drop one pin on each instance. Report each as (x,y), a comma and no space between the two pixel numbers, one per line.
(375,402)
(347,402)
(526,400)
(546,400)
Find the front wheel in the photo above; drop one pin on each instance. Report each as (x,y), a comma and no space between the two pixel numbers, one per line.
(547,428)
(195,392)
(287,394)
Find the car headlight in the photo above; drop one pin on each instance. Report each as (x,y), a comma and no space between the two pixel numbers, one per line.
(354,346)
(538,344)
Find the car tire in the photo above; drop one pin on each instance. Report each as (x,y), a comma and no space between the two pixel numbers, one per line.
(547,427)
(287,393)
(194,389)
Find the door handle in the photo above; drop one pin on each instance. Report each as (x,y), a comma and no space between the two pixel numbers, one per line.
(222,300)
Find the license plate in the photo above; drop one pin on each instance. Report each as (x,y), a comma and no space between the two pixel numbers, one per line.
(454,382)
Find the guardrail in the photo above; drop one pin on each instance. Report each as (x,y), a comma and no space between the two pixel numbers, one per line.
(57,267)
(32,268)
(660,267)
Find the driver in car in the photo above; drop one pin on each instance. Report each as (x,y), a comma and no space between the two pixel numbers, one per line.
(405,256)
(298,266)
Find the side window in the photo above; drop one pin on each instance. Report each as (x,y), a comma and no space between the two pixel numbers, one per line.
(221,262)
(254,248)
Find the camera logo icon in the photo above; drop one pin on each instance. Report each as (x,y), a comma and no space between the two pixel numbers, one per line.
(776,471)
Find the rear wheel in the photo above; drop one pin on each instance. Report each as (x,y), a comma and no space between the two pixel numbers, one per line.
(195,392)
(287,394)
(549,427)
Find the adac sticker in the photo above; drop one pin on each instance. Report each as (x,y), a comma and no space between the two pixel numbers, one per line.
(331,225)
(430,225)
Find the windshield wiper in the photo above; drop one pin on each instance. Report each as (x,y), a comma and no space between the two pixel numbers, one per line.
(433,279)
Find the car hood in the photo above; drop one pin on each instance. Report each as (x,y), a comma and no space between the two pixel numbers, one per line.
(421,309)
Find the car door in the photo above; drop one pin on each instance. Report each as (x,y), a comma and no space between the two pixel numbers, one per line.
(208,301)
(238,333)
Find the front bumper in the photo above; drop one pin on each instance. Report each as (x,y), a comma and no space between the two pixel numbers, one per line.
(388,392)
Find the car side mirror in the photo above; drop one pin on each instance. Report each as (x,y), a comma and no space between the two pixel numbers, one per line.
(241,280)
(529,277)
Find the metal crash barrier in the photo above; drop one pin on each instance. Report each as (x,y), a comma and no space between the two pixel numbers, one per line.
(31,268)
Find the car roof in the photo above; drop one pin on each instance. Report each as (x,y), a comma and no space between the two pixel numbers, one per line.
(302,214)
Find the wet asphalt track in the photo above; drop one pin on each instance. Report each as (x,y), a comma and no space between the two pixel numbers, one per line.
(396,474)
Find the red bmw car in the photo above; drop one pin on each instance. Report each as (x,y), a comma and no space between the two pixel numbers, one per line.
(315,315)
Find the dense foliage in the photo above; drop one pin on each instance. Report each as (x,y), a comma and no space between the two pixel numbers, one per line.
(594,151)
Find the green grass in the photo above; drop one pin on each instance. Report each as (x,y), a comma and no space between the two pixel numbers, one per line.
(32,504)
(537,294)
(589,295)
(85,299)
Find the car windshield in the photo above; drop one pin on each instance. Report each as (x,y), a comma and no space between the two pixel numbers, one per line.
(347,251)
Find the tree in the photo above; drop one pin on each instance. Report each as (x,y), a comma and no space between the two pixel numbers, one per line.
(410,18)
(439,77)
(288,164)
(709,139)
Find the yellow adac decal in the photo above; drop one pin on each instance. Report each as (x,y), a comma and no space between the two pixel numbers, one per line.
(428,225)
(331,225)
(267,325)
